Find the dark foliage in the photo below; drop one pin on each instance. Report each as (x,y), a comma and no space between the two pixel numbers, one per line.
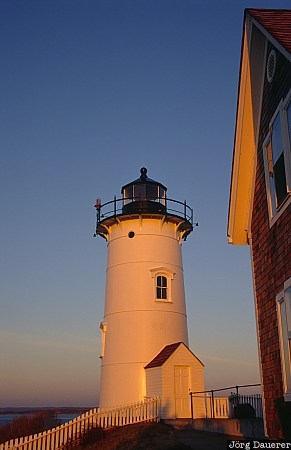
(284,411)
(28,425)
(244,411)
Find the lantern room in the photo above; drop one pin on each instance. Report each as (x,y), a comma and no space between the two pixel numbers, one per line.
(144,195)
(145,198)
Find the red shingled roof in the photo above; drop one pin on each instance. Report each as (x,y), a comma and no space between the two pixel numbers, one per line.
(163,355)
(277,22)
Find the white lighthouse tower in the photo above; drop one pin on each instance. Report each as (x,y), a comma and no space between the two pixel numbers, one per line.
(145,307)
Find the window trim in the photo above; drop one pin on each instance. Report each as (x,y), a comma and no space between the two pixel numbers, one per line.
(285,356)
(169,275)
(274,211)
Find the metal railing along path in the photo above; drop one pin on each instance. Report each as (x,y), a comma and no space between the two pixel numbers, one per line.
(223,407)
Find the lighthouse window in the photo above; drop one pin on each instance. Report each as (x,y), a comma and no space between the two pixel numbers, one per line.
(162,287)
(139,192)
(127,195)
(162,196)
(152,192)
(162,284)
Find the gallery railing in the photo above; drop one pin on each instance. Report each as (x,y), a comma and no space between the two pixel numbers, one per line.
(116,207)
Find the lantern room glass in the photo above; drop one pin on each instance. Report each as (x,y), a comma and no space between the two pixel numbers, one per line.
(144,192)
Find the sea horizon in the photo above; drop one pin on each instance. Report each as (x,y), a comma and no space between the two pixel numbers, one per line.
(22,409)
(64,413)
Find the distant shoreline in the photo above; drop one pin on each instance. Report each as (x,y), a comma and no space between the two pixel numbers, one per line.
(35,409)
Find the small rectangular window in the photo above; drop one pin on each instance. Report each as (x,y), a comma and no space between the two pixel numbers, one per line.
(162,279)
(161,287)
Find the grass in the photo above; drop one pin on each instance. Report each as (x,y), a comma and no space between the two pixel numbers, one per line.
(142,436)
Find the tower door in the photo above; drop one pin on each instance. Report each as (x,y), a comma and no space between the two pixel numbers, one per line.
(182,384)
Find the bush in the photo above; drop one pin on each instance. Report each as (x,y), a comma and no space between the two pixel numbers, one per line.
(28,425)
(284,411)
(244,411)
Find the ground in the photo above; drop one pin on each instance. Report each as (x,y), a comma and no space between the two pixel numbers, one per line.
(154,436)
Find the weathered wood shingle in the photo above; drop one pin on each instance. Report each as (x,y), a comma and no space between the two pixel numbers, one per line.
(277,22)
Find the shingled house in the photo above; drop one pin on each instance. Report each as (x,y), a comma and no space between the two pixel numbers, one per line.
(260,198)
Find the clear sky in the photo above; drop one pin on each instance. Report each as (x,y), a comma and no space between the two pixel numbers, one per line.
(92,90)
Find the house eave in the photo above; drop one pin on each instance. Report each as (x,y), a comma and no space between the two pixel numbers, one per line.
(251,76)
(242,164)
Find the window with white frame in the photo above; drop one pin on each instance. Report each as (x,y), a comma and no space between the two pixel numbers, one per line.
(162,278)
(277,158)
(284,321)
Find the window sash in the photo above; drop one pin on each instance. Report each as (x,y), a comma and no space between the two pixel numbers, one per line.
(288,116)
(284,323)
(288,310)
(277,157)
(276,138)
(162,287)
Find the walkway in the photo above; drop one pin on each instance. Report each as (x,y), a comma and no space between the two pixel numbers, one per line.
(202,440)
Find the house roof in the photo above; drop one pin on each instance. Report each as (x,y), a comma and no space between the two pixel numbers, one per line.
(165,354)
(277,22)
(274,26)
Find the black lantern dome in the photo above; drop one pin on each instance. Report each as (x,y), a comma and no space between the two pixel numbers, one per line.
(144,195)
(145,198)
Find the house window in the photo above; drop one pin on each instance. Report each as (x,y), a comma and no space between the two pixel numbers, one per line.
(162,287)
(284,322)
(162,284)
(277,158)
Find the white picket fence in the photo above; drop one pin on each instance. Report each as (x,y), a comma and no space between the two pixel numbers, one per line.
(63,435)
(218,408)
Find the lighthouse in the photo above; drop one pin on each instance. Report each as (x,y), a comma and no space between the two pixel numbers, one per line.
(145,309)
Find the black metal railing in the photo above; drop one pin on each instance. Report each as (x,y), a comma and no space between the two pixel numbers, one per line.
(116,207)
(255,400)
(235,399)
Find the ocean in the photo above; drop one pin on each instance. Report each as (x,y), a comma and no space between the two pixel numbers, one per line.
(62,417)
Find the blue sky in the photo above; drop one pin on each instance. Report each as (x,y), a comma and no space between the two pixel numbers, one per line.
(91,91)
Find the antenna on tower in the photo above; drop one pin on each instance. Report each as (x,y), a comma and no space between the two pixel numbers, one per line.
(98,209)
(98,203)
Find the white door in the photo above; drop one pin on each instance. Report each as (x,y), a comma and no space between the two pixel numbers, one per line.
(182,397)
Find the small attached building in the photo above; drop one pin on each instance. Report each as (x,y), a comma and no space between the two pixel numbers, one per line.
(171,375)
